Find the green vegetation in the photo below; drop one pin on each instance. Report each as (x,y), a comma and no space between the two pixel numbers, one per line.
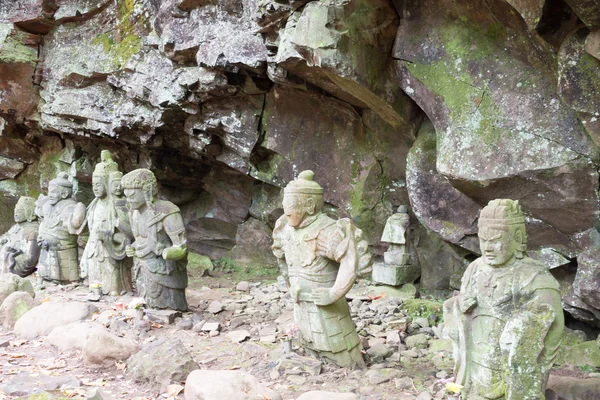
(423,308)
(245,272)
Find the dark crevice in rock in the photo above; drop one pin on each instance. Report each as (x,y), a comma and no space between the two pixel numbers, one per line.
(558,20)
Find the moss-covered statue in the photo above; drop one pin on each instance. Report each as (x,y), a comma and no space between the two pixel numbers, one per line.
(320,258)
(160,246)
(104,259)
(61,220)
(507,322)
(20,252)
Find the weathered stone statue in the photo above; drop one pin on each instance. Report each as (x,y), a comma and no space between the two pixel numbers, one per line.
(320,258)
(61,221)
(396,268)
(159,249)
(507,323)
(104,258)
(20,252)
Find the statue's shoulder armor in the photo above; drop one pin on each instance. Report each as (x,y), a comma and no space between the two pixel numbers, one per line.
(165,207)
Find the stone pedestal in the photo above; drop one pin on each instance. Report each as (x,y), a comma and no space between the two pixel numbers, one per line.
(395,275)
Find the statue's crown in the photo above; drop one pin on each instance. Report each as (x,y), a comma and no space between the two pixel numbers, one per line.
(502,212)
(62,179)
(106,165)
(305,184)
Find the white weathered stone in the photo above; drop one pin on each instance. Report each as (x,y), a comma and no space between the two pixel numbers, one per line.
(41,320)
(226,385)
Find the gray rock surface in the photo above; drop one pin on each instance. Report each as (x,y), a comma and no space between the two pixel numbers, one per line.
(174,366)
(41,320)
(14,306)
(98,345)
(10,283)
(225,385)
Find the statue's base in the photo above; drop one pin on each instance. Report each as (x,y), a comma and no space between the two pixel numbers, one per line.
(395,275)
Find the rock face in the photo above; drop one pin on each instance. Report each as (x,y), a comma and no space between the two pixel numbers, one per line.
(176,363)
(10,283)
(14,306)
(228,101)
(41,320)
(99,346)
(225,385)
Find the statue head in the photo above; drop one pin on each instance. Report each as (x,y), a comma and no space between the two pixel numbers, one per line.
(114,183)
(140,187)
(101,174)
(302,198)
(502,234)
(39,205)
(25,209)
(59,188)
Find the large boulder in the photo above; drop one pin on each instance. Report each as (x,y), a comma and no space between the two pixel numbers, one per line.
(99,346)
(14,306)
(41,320)
(344,48)
(226,385)
(10,283)
(174,366)
(502,130)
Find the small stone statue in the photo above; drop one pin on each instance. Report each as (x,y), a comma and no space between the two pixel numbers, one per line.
(320,259)
(107,218)
(62,219)
(507,322)
(394,233)
(20,252)
(160,246)
(396,269)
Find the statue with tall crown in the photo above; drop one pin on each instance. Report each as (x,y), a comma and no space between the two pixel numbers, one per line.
(320,258)
(507,323)
(160,247)
(20,252)
(104,259)
(62,219)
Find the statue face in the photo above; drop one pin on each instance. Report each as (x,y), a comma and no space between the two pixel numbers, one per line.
(294,209)
(20,213)
(115,187)
(497,247)
(98,187)
(56,193)
(135,198)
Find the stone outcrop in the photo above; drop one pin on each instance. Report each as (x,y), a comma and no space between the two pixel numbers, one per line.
(226,102)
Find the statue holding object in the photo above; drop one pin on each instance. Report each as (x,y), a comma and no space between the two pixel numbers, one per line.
(104,259)
(160,246)
(507,322)
(20,252)
(62,221)
(320,259)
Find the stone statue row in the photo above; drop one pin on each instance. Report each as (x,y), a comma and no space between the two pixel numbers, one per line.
(125,220)
(506,324)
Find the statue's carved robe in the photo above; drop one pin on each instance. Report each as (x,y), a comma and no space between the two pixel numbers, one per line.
(504,346)
(160,282)
(21,249)
(59,262)
(104,258)
(328,328)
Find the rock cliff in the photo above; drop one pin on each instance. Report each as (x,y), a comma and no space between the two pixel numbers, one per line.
(442,105)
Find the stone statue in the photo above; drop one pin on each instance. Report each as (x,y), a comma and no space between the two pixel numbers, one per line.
(20,252)
(62,219)
(320,259)
(104,258)
(396,268)
(507,322)
(160,246)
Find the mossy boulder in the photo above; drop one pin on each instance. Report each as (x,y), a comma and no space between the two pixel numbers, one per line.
(199,264)
(586,353)
(423,308)
(14,306)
